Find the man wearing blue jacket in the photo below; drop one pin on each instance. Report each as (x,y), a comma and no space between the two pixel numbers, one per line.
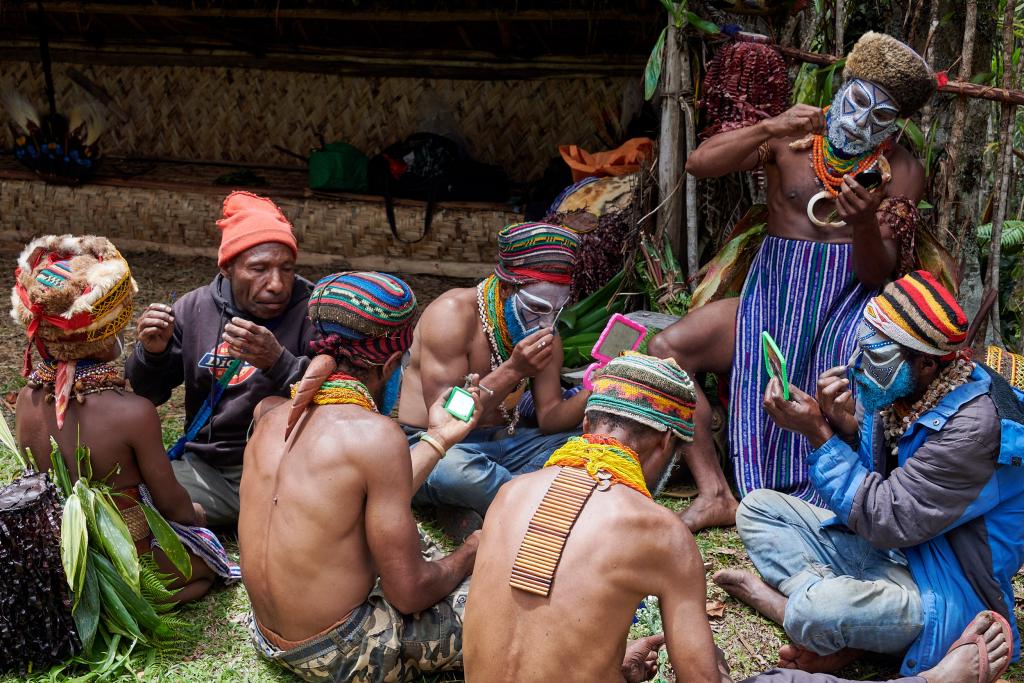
(925,495)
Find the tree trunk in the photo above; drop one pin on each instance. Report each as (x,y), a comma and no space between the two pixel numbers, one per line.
(1003,165)
(692,263)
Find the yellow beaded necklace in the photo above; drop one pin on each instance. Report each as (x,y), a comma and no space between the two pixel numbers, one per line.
(339,389)
(605,460)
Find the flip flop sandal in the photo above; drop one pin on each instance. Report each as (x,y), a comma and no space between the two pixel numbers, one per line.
(984,673)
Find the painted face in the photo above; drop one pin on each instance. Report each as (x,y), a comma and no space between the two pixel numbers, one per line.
(880,368)
(861,117)
(538,304)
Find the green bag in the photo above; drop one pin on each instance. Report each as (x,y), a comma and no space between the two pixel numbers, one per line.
(338,166)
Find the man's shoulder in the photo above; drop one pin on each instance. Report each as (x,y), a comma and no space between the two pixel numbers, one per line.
(453,307)
(977,419)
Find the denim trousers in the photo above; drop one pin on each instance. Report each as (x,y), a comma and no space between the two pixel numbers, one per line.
(842,591)
(471,473)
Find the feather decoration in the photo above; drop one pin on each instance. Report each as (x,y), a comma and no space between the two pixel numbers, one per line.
(23,115)
(86,123)
(320,368)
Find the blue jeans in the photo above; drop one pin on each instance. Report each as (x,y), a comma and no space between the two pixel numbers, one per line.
(472,472)
(842,591)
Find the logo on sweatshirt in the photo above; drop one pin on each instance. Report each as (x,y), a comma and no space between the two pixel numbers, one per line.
(217,362)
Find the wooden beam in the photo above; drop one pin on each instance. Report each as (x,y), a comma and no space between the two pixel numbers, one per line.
(390,16)
(985,92)
(432,64)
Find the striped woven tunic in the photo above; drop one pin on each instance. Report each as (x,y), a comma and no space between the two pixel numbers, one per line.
(807,297)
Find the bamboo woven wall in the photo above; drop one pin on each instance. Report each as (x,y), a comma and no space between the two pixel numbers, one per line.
(224,114)
(462,239)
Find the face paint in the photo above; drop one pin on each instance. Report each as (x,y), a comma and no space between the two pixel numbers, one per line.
(874,398)
(539,304)
(862,116)
(391,390)
(880,368)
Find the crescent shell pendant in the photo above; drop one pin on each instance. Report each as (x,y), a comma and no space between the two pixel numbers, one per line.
(814,219)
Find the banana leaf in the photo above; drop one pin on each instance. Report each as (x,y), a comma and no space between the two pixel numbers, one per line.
(87,607)
(116,541)
(169,541)
(114,614)
(137,607)
(74,543)
(567,322)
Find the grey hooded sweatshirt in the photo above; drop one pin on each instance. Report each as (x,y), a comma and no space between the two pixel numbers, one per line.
(197,356)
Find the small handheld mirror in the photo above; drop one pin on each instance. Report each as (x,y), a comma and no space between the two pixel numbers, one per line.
(775,362)
(460,404)
(620,334)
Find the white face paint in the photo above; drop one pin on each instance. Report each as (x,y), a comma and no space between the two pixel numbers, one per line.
(540,303)
(862,116)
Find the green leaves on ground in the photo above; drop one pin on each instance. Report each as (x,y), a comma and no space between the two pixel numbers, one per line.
(120,599)
(168,541)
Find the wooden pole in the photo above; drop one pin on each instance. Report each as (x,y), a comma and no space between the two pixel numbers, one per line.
(1003,165)
(692,263)
(670,166)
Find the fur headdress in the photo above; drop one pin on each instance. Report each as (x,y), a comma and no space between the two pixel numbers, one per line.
(71,294)
(903,73)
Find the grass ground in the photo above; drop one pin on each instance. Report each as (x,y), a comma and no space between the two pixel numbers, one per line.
(217,649)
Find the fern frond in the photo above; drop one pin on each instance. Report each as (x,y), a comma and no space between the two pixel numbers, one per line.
(154,585)
(1012,239)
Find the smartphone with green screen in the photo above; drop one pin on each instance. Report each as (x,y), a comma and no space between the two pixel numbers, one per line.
(775,362)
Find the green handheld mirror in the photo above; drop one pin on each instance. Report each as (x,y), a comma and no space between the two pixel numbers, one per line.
(775,362)
(460,404)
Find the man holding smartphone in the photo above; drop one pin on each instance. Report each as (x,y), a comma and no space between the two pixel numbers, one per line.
(503,331)
(829,246)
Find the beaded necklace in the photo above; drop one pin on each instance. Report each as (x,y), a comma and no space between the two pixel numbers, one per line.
(341,389)
(605,459)
(830,167)
(91,377)
(896,419)
(503,330)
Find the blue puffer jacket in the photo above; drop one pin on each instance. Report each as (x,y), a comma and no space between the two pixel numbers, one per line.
(954,505)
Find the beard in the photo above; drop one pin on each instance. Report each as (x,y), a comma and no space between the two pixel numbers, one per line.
(874,398)
(663,477)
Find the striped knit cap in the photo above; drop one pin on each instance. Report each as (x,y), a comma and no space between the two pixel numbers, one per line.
(536,251)
(653,391)
(919,313)
(362,316)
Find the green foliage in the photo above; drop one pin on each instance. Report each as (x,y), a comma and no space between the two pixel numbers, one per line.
(680,17)
(582,323)
(9,445)
(1012,238)
(120,600)
(652,72)
(816,85)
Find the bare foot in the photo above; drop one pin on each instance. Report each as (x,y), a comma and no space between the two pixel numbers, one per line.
(793,657)
(751,590)
(641,660)
(706,511)
(964,661)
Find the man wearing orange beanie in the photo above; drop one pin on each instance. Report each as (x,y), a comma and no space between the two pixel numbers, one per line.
(232,343)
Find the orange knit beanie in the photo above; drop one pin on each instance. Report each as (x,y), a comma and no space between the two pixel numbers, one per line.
(250,220)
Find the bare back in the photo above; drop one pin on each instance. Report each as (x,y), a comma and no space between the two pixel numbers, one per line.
(122,433)
(623,548)
(302,531)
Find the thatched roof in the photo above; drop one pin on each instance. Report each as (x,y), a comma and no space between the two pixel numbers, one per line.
(506,38)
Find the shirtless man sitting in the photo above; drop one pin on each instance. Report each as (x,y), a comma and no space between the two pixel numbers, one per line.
(526,624)
(827,251)
(330,552)
(502,330)
(74,297)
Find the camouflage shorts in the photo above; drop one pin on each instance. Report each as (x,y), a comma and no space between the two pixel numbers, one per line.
(377,643)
